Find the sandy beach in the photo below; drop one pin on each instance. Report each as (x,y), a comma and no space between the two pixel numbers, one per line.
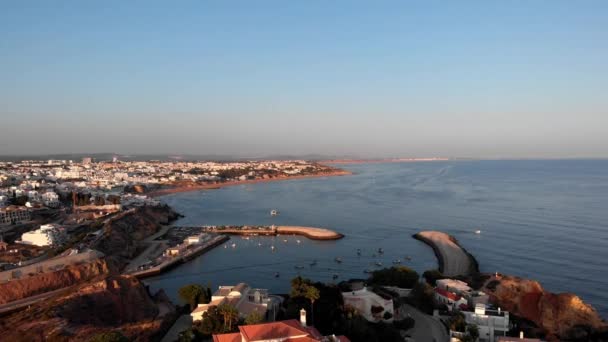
(453,259)
(208,186)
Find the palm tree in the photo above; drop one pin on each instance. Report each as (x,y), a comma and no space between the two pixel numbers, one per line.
(312,294)
(230,314)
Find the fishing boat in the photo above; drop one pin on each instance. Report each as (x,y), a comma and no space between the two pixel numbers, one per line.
(338,260)
(274,212)
(478,231)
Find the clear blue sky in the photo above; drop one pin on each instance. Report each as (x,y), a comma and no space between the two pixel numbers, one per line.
(374,78)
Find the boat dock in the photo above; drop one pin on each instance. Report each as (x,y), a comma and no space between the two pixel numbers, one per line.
(178,259)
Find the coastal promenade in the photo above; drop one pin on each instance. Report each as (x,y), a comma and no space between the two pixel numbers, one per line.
(452,258)
(312,233)
(218,185)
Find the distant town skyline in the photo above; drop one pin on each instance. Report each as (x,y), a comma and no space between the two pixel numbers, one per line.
(471,79)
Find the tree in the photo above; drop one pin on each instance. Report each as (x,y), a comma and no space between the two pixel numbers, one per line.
(254,318)
(109,336)
(299,286)
(230,316)
(312,294)
(399,276)
(473,331)
(431,276)
(193,294)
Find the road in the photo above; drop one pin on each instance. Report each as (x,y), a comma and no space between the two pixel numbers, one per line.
(182,323)
(427,328)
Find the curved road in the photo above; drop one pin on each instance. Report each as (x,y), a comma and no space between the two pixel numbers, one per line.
(427,328)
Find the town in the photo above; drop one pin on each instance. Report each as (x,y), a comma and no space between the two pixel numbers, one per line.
(70,229)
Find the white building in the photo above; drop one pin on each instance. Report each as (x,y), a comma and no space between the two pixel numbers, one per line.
(46,235)
(368,304)
(197,239)
(452,300)
(491,323)
(50,199)
(14,214)
(245,299)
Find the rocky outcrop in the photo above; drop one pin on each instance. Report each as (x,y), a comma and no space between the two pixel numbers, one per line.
(44,282)
(115,303)
(562,316)
(122,234)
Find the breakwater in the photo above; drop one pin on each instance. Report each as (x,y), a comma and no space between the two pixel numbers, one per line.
(453,260)
(312,233)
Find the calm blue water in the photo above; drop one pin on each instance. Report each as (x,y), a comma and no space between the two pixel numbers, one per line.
(545,220)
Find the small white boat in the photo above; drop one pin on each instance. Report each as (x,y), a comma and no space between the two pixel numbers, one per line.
(298,241)
(234,245)
(478,231)
(274,212)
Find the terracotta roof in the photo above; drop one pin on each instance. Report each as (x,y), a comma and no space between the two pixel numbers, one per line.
(283,329)
(234,337)
(448,294)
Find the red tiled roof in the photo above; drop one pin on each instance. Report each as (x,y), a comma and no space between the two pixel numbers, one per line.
(448,294)
(275,330)
(234,337)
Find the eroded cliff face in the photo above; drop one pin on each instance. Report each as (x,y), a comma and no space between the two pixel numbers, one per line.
(44,282)
(562,316)
(114,303)
(121,235)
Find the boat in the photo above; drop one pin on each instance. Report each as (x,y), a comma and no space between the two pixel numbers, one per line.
(259,244)
(335,276)
(274,212)
(298,267)
(380,251)
(378,263)
(368,271)
(338,260)
(478,231)
(358,252)
(284,240)
(233,245)
(276,274)
(314,263)
(298,241)
(408,258)
(225,246)
(396,261)
(272,247)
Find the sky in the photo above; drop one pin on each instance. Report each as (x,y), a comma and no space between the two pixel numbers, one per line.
(475,79)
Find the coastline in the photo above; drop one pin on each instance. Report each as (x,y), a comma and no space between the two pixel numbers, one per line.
(453,259)
(210,186)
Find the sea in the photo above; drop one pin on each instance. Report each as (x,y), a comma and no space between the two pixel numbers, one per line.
(540,219)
